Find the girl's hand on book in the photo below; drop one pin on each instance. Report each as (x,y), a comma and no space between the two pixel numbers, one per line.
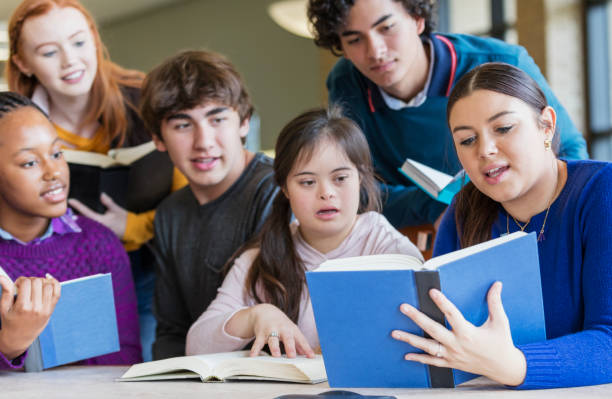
(271,326)
(486,350)
(115,217)
(24,317)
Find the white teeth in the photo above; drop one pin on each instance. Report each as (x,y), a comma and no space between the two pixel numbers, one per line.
(73,75)
(54,192)
(494,172)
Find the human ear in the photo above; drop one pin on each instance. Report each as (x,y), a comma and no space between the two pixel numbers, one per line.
(159,143)
(420,23)
(244,127)
(21,65)
(548,117)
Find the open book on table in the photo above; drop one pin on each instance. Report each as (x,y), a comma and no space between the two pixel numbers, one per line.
(230,366)
(440,186)
(356,306)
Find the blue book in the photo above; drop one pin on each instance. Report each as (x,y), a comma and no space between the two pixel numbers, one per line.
(83,325)
(356,306)
(436,184)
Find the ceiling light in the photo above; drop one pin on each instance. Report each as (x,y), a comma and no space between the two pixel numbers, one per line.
(291,16)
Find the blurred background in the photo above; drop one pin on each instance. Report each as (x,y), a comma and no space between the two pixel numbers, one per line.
(285,73)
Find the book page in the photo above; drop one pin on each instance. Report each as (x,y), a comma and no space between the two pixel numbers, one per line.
(428,176)
(128,155)
(88,158)
(76,280)
(371,262)
(299,369)
(438,261)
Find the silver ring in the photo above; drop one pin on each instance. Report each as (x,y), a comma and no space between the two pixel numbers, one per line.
(273,334)
(439,352)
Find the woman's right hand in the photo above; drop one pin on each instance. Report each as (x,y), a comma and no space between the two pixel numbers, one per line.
(23,318)
(271,326)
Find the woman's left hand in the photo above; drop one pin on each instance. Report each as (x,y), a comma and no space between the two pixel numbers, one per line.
(115,217)
(486,350)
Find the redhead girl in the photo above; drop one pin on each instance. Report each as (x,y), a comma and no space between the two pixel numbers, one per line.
(324,169)
(39,235)
(505,137)
(58,60)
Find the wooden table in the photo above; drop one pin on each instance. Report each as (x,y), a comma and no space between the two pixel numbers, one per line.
(99,382)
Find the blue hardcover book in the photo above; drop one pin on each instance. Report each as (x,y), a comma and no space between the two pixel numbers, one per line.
(436,184)
(356,306)
(83,325)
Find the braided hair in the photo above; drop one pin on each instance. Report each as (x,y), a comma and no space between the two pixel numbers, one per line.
(11,101)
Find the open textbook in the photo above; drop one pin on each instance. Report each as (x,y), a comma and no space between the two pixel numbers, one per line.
(136,178)
(366,292)
(230,366)
(438,185)
(82,325)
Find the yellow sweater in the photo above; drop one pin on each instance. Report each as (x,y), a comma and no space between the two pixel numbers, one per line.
(139,226)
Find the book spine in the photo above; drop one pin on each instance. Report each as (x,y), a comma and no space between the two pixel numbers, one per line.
(33,360)
(439,377)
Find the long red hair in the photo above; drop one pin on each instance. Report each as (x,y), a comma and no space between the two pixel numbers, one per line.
(107,101)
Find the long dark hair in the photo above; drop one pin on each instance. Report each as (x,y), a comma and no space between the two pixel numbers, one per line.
(475,212)
(278,270)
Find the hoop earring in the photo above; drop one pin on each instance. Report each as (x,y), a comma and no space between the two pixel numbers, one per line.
(547,144)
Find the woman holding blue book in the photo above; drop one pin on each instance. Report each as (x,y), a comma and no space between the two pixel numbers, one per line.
(504,134)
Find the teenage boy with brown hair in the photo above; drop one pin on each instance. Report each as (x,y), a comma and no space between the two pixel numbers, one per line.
(198,110)
(394,79)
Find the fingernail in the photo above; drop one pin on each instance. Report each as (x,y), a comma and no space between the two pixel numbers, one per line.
(434,293)
(405,307)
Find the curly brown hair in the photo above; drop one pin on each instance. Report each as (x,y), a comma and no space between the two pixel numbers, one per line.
(328,16)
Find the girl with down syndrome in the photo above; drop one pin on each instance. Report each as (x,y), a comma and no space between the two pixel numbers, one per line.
(324,169)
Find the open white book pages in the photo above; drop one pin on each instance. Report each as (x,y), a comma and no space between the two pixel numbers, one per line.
(428,178)
(76,280)
(407,262)
(230,366)
(115,157)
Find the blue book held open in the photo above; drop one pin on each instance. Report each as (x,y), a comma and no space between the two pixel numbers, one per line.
(83,325)
(356,306)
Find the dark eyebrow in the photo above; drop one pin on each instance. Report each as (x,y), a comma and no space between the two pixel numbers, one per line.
(69,37)
(497,115)
(180,115)
(378,22)
(19,151)
(491,119)
(333,171)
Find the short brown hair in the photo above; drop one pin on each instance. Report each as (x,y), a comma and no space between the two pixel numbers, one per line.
(188,80)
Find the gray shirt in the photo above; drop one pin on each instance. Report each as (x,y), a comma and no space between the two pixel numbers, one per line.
(192,244)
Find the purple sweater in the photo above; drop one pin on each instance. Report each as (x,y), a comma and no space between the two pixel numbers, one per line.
(94,250)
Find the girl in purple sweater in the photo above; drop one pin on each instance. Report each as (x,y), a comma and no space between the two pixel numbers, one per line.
(324,169)
(39,235)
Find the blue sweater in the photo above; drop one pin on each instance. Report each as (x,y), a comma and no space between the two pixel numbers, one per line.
(576,270)
(422,133)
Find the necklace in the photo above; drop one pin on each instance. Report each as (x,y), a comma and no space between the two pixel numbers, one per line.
(524,226)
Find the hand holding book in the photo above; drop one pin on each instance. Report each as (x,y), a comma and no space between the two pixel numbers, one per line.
(25,316)
(486,350)
(115,217)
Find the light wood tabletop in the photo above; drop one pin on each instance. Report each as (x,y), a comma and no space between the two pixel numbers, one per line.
(99,382)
